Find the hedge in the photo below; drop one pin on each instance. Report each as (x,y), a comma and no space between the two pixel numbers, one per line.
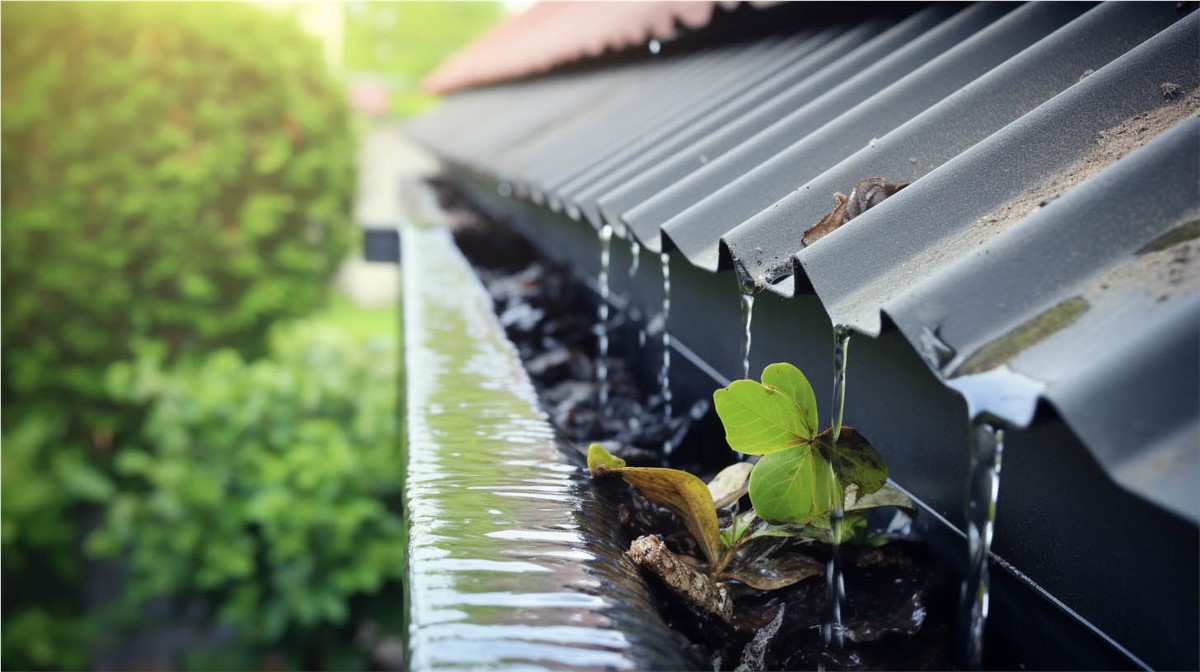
(176,177)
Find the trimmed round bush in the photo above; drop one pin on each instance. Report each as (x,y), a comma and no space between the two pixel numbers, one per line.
(178,174)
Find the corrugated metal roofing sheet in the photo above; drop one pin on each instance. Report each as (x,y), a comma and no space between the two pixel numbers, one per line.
(1011,262)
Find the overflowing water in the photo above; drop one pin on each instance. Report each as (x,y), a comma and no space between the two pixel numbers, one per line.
(832,631)
(841,342)
(664,377)
(602,317)
(983,487)
(514,562)
(747,316)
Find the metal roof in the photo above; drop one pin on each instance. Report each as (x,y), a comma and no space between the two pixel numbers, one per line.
(1045,249)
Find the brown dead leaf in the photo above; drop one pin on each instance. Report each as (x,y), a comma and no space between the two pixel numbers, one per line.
(730,484)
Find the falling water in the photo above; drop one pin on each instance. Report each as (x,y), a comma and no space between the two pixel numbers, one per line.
(832,629)
(841,341)
(635,256)
(602,326)
(987,448)
(665,376)
(747,315)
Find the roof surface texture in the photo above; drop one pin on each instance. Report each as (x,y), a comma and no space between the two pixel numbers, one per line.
(1045,249)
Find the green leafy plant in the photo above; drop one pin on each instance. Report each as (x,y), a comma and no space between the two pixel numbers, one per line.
(176,177)
(267,491)
(804,482)
(803,474)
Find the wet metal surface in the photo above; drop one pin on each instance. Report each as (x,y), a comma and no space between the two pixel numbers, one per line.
(513,564)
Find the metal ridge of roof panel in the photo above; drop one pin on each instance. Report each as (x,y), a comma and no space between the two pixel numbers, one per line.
(997,172)
(722,105)
(928,140)
(826,107)
(618,113)
(831,66)
(779,175)
(693,100)
(1117,303)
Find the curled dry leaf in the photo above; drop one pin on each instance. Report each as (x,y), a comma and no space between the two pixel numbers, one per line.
(684,494)
(775,571)
(888,495)
(867,193)
(694,586)
(730,484)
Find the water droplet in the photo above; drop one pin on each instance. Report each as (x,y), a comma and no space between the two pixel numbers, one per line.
(504,189)
(841,342)
(936,352)
(747,316)
(655,46)
(665,374)
(602,317)
(635,254)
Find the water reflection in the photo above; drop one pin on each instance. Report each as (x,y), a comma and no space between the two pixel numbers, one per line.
(512,562)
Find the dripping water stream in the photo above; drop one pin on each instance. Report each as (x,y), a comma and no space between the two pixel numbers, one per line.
(602,321)
(983,487)
(664,378)
(832,631)
(747,316)
(635,256)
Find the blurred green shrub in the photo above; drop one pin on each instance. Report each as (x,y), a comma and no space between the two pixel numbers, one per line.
(172,172)
(268,491)
(175,177)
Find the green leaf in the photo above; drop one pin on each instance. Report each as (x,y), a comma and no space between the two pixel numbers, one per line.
(741,524)
(788,379)
(600,461)
(760,419)
(854,460)
(793,486)
(852,530)
(677,490)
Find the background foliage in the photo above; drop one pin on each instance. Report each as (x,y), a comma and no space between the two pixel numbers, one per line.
(173,173)
(406,41)
(176,178)
(269,489)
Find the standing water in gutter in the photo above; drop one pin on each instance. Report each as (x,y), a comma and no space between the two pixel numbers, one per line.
(602,321)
